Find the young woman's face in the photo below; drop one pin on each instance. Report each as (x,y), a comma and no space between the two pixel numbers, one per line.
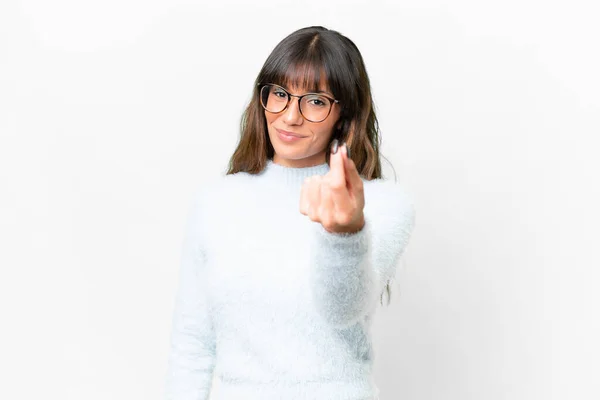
(310,148)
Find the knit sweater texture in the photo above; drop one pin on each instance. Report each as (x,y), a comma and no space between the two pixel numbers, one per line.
(271,303)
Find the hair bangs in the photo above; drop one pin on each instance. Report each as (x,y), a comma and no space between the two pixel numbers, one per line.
(305,73)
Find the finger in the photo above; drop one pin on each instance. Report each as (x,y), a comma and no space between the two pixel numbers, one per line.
(336,173)
(337,183)
(327,210)
(355,183)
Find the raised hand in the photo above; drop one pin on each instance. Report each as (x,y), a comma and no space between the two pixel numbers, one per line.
(336,199)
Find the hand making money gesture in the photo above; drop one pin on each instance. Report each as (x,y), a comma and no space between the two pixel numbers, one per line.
(336,199)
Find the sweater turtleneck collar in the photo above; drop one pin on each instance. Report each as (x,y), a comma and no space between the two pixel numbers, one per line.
(293,176)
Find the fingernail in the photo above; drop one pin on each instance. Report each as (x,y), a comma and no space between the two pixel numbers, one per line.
(334,146)
(347,150)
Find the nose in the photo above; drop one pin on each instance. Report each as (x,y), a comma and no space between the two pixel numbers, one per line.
(292,114)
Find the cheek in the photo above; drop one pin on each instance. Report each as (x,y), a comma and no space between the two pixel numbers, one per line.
(326,132)
(271,118)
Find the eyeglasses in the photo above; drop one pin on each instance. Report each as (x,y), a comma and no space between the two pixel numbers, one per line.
(314,107)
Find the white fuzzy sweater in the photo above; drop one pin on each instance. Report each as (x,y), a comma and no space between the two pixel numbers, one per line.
(270,302)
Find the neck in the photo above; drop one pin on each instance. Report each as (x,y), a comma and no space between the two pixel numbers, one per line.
(314,160)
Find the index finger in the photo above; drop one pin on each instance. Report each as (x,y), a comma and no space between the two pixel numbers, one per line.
(351,173)
(337,169)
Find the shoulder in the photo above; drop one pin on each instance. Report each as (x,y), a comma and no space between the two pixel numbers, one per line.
(390,201)
(213,201)
(388,191)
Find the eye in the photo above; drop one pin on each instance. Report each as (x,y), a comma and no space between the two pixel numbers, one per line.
(279,93)
(317,101)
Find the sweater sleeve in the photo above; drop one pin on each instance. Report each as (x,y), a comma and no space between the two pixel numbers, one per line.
(351,269)
(191,358)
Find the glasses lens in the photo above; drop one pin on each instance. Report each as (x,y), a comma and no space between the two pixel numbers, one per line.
(273,98)
(315,108)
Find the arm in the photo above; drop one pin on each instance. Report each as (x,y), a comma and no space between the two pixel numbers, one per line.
(192,346)
(352,269)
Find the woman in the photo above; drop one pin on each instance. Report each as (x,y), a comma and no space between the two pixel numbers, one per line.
(286,255)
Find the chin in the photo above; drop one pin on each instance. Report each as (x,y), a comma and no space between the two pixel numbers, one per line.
(289,155)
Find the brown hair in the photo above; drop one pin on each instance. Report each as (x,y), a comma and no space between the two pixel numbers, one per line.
(306,57)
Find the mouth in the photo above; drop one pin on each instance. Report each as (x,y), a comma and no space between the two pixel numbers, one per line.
(286,133)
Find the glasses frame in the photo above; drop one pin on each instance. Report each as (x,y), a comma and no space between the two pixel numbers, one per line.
(289,99)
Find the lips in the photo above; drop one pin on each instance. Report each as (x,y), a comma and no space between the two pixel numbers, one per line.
(289,133)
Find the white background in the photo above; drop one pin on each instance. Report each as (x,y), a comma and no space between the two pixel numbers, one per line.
(110,116)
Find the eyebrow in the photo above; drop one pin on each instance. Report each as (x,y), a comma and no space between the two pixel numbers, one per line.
(312,91)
